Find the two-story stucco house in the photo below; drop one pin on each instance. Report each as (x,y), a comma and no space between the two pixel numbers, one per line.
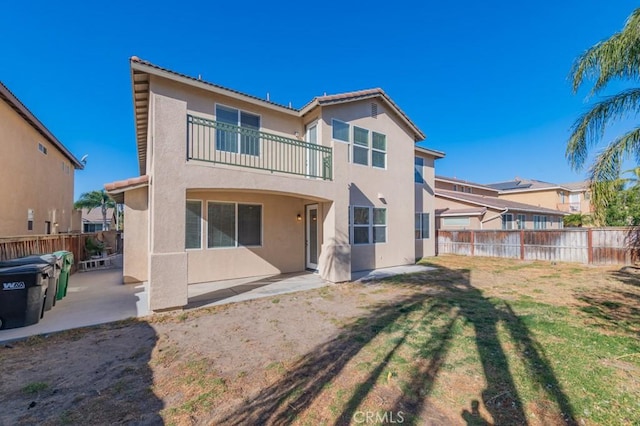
(462,204)
(37,171)
(571,197)
(233,186)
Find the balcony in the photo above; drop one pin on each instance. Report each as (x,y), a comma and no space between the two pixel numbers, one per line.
(221,143)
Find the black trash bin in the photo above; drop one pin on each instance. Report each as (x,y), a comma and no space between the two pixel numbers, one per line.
(22,294)
(49,259)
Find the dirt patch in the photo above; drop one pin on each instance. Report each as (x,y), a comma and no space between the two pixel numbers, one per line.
(432,348)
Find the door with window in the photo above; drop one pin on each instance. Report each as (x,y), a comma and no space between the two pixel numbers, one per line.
(311,237)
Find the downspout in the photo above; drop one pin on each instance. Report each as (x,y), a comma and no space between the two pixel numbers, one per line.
(494,217)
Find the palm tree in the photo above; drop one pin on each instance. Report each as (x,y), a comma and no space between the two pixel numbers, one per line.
(617,57)
(95,199)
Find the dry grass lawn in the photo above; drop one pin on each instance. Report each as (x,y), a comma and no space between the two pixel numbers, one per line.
(477,341)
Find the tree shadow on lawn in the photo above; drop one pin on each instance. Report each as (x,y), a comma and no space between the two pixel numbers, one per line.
(438,300)
(618,307)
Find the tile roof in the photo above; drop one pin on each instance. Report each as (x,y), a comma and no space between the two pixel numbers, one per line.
(494,202)
(464,182)
(122,185)
(95,215)
(576,186)
(29,117)
(522,184)
(459,212)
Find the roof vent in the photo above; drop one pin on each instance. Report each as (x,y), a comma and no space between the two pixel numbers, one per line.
(374,110)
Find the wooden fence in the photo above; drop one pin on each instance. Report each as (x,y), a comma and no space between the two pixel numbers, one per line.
(13,247)
(598,246)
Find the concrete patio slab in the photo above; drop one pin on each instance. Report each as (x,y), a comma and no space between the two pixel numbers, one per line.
(93,298)
(231,291)
(378,274)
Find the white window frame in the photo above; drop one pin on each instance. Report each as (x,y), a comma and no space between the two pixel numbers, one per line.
(235,238)
(540,221)
(373,149)
(238,123)
(333,120)
(201,223)
(522,221)
(42,148)
(355,145)
(370,226)
(421,222)
(507,221)
(466,223)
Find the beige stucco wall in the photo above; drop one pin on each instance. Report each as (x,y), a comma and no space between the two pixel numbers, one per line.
(424,203)
(282,247)
(35,181)
(390,188)
(136,236)
(548,199)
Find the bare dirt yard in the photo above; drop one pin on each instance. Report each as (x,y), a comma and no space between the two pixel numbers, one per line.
(477,341)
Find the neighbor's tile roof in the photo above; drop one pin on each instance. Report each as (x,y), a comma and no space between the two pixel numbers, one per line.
(576,186)
(494,202)
(519,184)
(465,182)
(460,212)
(95,215)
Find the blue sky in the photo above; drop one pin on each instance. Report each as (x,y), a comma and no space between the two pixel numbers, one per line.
(486,81)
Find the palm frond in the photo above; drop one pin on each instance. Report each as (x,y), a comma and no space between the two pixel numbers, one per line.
(589,128)
(616,57)
(605,171)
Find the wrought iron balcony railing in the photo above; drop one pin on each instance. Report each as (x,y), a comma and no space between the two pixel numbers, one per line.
(222,143)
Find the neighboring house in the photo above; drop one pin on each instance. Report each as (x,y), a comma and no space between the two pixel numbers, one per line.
(234,186)
(37,171)
(464,209)
(569,197)
(92,221)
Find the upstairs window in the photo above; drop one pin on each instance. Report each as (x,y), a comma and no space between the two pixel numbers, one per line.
(234,139)
(42,148)
(378,150)
(360,146)
(418,165)
(340,131)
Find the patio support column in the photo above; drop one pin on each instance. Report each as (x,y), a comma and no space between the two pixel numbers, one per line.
(167,195)
(335,255)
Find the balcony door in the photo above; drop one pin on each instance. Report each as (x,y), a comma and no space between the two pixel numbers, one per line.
(313,156)
(311,236)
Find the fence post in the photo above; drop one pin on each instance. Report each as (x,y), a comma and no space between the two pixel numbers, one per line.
(589,246)
(522,244)
(473,242)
